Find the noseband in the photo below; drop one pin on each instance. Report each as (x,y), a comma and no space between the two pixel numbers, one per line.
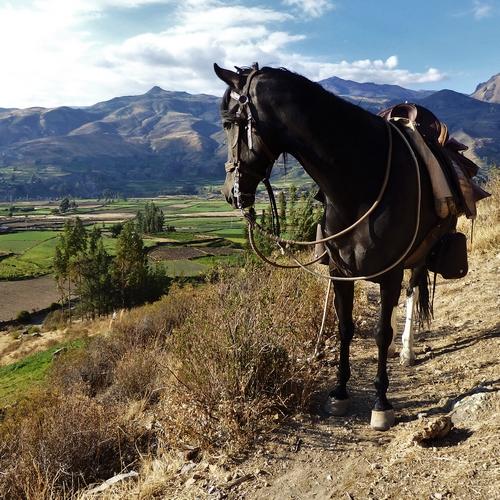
(243,118)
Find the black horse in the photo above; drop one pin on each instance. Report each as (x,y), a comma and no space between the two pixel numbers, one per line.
(345,149)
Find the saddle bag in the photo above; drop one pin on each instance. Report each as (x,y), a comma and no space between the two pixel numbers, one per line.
(448,256)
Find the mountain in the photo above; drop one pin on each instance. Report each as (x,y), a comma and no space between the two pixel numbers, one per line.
(131,144)
(489,91)
(372,96)
(170,142)
(473,122)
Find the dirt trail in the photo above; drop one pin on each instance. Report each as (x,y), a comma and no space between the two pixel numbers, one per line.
(344,458)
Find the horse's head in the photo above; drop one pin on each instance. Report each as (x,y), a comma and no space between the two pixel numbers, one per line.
(250,158)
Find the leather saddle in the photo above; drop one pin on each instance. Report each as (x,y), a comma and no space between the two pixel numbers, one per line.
(448,152)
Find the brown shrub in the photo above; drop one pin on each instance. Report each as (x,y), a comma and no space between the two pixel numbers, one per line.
(242,358)
(58,443)
(135,375)
(214,365)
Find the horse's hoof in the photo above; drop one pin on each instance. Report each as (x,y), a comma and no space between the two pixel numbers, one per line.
(337,407)
(382,420)
(406,359)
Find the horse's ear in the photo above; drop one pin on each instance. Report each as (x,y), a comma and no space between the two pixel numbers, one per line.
(228,76)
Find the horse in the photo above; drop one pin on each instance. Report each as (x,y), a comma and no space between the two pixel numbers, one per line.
(355,157)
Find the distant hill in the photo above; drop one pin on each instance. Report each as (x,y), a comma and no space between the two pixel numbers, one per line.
(164,142)
(132,145)
(489,91)
(473,122)
(372,96)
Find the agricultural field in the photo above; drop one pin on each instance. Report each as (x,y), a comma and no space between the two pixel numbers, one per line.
(207,234)
(27,251)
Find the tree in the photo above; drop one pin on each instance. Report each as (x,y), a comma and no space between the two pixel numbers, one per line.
(291,218)
(116,229)
(282,210)
(151,220)
(72,242)
(130,269)
(64,205)
(95,287)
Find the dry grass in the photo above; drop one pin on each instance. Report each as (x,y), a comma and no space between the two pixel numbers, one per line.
(486,237)
(241,360)
(212,366)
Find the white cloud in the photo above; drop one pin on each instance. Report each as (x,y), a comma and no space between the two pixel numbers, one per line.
(50,58)
(481,10)
(366,70)
(312,8)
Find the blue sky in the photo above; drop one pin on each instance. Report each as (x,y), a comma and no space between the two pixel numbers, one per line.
(78,52)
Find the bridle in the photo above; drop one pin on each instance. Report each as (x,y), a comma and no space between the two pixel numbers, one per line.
(243,118)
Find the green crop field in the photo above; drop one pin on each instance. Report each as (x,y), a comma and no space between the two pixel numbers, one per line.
(18,379)
(192,216)
(34,252)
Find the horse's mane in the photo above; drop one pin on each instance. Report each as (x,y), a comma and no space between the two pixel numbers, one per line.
(305,86)
(311,88)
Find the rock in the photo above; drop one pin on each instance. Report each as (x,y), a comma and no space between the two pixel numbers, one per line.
(113,480)
(466,408)
(434,428)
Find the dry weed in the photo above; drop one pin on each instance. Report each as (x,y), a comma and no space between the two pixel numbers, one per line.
(58,443)
(242,359)
(486,237)
(213,366)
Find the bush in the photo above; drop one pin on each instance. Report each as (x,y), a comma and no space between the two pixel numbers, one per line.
(56,319)
(242,358)
(23,317)
(58,443)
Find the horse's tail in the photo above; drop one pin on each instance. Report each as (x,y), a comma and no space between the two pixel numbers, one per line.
(420,279)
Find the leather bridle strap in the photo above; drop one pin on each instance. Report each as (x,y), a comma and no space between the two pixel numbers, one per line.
(245,106)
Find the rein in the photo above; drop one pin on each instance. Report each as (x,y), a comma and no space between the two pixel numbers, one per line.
(352,278)
(243,118)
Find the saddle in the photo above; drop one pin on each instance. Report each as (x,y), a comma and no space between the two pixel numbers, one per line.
(450,171)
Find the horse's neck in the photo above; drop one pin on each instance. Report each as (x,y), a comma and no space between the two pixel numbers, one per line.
(342,147)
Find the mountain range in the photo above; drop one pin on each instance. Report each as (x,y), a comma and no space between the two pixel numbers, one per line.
(165,142)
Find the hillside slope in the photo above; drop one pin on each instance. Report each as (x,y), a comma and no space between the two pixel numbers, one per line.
(489,91)
(126,144)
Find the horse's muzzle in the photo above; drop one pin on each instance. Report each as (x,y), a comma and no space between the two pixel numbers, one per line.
(246,200)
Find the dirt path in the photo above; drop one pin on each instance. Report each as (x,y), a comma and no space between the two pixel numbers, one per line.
(343,458)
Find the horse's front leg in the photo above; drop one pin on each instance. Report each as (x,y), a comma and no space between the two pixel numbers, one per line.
(383,413)
(338,401)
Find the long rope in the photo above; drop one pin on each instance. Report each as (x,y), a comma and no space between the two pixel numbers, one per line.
(323,320)
(375,204)
(370,276)
(299,265)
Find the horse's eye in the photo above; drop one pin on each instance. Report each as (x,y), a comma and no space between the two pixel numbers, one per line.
(226,125)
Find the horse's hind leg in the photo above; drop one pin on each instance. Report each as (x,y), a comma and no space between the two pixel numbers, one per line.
(383,414)
(416,287)
(391,352)
(407,355)
(338,402)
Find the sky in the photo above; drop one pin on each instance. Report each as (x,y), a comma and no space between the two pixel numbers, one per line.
(79,52)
